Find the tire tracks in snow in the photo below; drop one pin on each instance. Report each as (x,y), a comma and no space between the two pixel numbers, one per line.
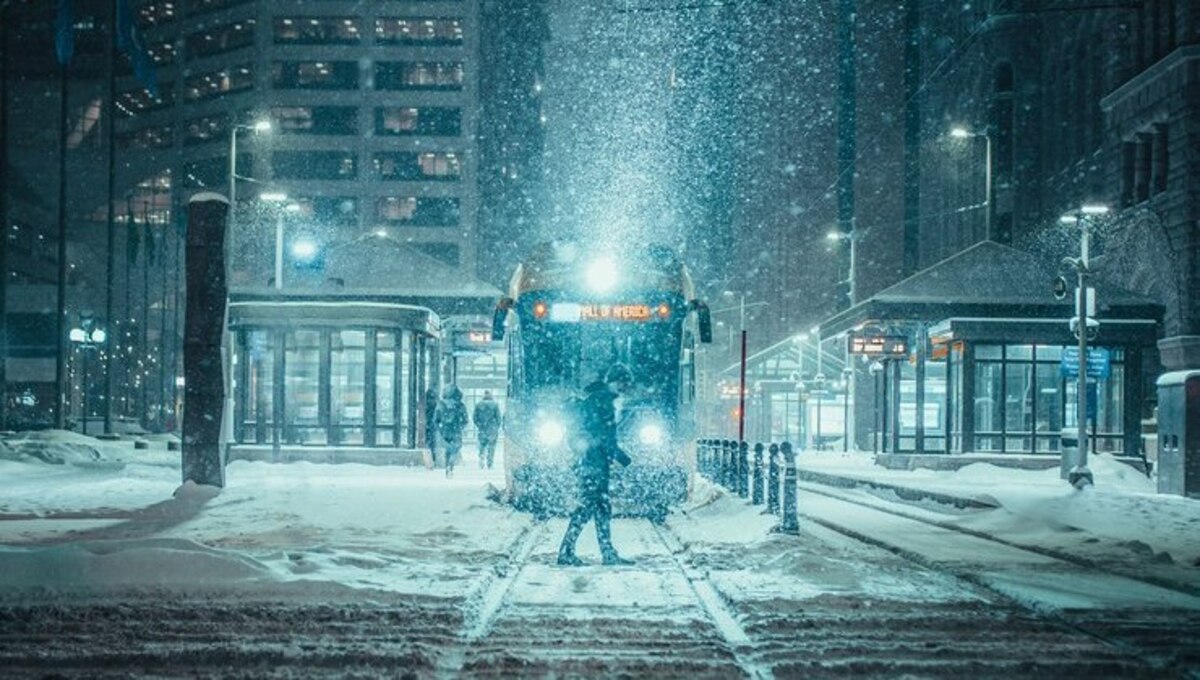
(712,603)
(486,598)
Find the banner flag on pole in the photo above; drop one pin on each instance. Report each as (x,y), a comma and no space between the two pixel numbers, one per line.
(64,32)
(129,41)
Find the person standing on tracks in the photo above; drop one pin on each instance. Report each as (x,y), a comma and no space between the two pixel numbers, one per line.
(599,424)
(487,422)
(452,420)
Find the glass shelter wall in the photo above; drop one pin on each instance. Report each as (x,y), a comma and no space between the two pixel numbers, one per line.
(328,386)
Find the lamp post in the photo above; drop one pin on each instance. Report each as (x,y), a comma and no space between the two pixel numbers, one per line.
(964,133)
(88,337)
(1079,475)
(818,384)
(259,126)
(278,197)
(801,396)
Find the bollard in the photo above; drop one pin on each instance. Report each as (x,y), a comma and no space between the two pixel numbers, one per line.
(707,447)
(732,480)
(773,481)
(727,464)
(791,519)
(743,468)
(757,497)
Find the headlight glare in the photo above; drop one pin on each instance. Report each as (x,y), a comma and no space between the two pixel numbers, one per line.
(651,434)
(550,433)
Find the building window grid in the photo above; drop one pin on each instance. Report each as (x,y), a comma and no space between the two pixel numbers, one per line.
(220,39)
(419,75)
(314,75)
(158,137)
(339,30)
(216,83)
(418,31)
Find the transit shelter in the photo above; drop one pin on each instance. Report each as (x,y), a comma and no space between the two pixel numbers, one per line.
(989,359)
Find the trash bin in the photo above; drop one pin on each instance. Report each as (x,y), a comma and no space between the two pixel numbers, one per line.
(1179,433)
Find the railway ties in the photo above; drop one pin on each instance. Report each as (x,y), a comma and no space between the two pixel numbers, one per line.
(652,619)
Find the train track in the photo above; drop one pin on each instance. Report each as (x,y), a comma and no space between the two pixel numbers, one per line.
(1158,634)
(883,506)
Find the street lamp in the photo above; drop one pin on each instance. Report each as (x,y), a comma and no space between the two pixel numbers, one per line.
(258,127)
(278,198)
(1079,475)
(88,337)
(963,133)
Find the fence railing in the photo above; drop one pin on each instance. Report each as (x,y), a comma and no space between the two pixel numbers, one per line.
(727,463)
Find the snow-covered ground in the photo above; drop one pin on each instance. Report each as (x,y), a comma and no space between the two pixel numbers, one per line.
(1120,517)
(72,530)
(438,577)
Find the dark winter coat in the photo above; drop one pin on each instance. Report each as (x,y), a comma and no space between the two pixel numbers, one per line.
(452,419)
(431,407)
(487,419)
(598,420)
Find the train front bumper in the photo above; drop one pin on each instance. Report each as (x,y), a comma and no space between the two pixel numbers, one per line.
(640,490)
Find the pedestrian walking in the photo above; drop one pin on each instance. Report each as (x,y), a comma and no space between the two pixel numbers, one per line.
(487,420)
(598,423)
(431,436)
(452,420)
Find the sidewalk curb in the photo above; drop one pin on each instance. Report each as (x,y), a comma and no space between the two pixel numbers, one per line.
(905,492)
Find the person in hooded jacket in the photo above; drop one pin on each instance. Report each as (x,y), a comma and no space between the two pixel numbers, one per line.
(487,421)
(431,408)
(452,420)
(598,422)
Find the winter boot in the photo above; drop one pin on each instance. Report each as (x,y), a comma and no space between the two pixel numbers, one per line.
(612,559)
(567,559)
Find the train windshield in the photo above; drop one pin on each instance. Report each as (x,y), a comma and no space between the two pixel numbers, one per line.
(573,355)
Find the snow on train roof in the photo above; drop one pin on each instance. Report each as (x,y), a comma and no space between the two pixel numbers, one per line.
(562,265)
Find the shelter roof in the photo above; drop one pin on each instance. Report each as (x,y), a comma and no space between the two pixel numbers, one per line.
(987,279)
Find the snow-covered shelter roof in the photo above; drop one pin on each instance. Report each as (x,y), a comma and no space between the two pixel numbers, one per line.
(378,266)
(986,280)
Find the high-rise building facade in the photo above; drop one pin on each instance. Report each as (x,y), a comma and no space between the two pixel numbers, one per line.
(373,110)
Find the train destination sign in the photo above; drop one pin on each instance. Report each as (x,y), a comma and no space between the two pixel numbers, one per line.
(635,312)
(886,346)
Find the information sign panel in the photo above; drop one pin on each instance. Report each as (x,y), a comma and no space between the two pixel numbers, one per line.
(1099,362)
(885,346)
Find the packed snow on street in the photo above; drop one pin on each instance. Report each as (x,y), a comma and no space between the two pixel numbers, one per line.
(109,565)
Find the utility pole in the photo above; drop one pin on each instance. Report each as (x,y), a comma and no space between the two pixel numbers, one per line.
(60,319)
(5,227)
(1079,475)
(110,243)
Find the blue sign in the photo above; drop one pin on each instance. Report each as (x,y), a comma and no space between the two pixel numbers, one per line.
(1099,362)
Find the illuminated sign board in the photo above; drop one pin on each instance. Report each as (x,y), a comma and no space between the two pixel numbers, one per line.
(615,312)
(637,312)
(479,337)
(883,346)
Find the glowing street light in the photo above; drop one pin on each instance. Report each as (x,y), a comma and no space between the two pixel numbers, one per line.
(960,132)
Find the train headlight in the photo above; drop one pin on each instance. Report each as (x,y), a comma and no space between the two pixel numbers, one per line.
(651,434)
(550,433)
(602,274)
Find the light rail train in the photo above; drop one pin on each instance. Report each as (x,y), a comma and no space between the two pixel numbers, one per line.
(571,313)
